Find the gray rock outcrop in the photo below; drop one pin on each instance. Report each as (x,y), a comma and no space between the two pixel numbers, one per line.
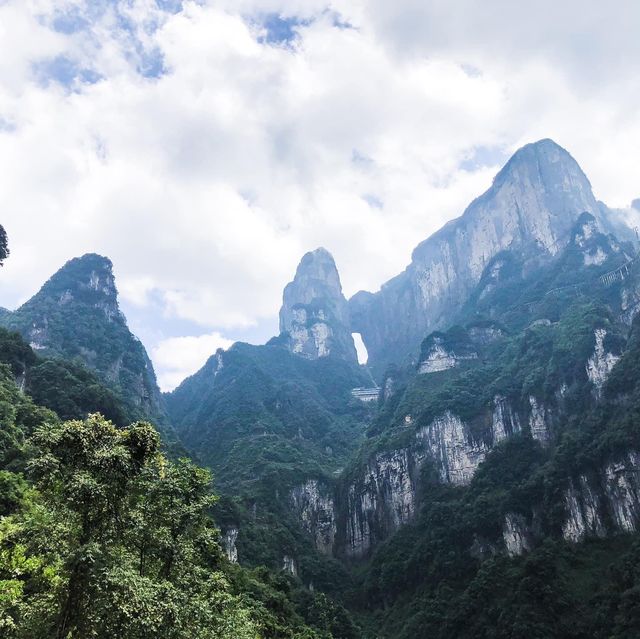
(314,318)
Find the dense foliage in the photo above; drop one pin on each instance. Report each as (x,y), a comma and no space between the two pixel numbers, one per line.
(4,245)
(69,389)
(266,420)
(112,539)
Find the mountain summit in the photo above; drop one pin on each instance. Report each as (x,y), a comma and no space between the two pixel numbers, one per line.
(531,208)
(86,280)
(315,315)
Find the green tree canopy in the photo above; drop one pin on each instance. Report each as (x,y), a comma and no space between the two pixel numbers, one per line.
(116,543)
(4,245)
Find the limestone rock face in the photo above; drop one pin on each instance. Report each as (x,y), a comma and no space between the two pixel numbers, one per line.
(440,358)
(629,301)
(601,362)
(229,542)
(622,489)
(456,453)
(384,496)
(516,535)
(314,506)
(531,207)
(605,503)
(289,565)
(505,421)
(583,513)
(539,419)
(381,500)
(593,244)
(315,315)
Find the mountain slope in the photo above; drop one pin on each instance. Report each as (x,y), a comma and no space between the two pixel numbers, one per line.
(498,493)
(251,395)
(265,418)
(530,208)
(76,316)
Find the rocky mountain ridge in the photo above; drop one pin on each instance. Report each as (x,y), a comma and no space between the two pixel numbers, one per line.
(381,494)
(530,208)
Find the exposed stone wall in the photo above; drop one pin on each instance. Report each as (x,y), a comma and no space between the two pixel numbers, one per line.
(608,502)
(314,504)
(600,364)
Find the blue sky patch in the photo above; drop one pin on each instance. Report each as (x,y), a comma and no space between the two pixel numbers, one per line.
(6,126)
(373,201)
(281,30)
(151,64)
(62,70)
(482,156)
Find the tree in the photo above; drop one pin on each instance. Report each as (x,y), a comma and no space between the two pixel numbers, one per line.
(4,245)
(117,543)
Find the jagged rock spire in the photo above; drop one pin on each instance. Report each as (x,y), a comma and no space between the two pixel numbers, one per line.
(315,316)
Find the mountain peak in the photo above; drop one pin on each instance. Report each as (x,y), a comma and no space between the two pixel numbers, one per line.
(316,279)
(76,315)
(549,173)
(530,208)
(314,312)
(88,278)
(320,267)
(546,157)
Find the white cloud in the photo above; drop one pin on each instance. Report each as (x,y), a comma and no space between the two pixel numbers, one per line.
(206,184)
(179,357)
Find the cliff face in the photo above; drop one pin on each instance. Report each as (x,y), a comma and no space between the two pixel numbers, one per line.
(379,501)
(314,318)
(531,207)
(367,506)
(349,518)
(604,502)
(442,351)
(314,505)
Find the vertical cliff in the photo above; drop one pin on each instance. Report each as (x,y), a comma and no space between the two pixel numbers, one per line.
(604,502)
(314,505)
(531,207)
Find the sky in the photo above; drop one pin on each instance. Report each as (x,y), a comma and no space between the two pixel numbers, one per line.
(205,146)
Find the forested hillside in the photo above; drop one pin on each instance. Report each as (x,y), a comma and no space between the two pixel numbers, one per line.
(103,535)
